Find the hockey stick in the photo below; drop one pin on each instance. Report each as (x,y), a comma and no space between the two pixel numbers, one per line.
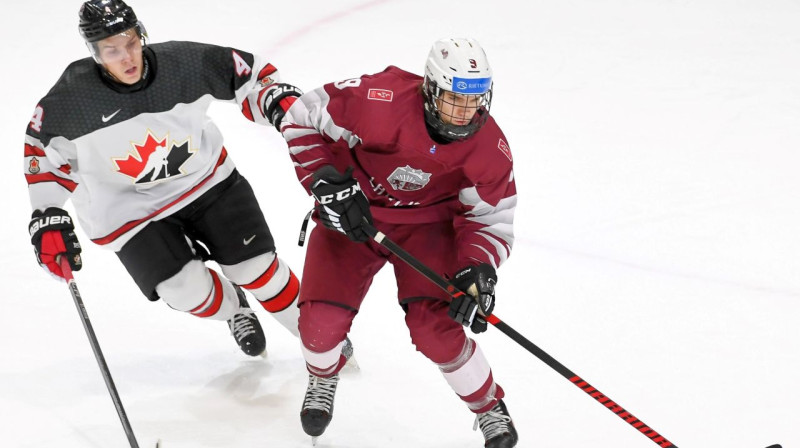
(454,292)
(98,354)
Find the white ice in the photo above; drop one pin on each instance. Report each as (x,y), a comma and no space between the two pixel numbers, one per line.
(657,150)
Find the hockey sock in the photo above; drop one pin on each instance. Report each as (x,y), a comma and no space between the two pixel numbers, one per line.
(470,377)
(275,286)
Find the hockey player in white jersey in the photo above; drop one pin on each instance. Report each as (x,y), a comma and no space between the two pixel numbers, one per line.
(124,135)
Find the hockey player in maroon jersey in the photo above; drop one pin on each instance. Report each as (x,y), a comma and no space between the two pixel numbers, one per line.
(423,160)
(124,134)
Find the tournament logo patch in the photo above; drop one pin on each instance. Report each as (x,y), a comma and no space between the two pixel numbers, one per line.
(264,82)
(380,95)
(503,147)
(408,179)
(154,161)
(264,76)
(33,167)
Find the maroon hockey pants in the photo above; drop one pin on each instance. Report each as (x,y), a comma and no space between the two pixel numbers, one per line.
(336,277)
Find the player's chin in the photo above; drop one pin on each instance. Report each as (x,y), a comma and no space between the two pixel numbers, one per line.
(131,75)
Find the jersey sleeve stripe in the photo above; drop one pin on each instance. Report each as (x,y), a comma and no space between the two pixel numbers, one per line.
(291,131)
(298,149)
(260,102)
(31,150)
(246,110)
(50,177)
(501,247)
(491,257)
(266,71)
(307,164)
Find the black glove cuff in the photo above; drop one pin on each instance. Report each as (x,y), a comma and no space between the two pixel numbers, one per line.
(53,218)
(330,175)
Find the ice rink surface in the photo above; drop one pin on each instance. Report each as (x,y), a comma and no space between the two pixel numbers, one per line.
(656,146)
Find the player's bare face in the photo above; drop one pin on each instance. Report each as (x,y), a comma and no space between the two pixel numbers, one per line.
(457,109)
(122,56)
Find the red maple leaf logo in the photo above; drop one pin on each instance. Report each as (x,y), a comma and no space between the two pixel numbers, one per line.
(133,165)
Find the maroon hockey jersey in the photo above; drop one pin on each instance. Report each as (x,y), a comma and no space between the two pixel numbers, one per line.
(376,125)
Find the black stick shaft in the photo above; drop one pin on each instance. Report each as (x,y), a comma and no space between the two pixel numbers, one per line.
(98,354)
(441,282)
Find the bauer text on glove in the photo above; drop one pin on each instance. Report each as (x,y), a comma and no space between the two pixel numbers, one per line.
(53,234)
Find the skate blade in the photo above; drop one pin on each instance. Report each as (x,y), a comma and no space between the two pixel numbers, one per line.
(314,440)
(352,364)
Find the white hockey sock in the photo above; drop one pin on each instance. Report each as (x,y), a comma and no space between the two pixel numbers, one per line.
(200,291)
(324,364)
(275,286)
(470,376)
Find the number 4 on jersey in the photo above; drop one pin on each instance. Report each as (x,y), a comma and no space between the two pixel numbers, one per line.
(36,120)
(242,68)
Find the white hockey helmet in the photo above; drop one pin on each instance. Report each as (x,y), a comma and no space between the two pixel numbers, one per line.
(460,66)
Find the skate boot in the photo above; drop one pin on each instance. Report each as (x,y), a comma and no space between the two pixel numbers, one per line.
(246,329)
(317,409)
(497,427)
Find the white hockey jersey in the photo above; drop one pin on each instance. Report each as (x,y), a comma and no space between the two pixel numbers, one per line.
(127,158)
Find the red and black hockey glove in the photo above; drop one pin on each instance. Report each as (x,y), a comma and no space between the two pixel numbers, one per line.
(53,234)
(277,100)
(341,204)
(478,284)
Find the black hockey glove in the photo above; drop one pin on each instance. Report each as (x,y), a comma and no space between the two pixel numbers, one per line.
(341,204)
(478,284)
(53,234)
(277,100)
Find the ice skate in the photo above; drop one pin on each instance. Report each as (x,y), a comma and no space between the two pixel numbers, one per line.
(317,409)
(497,427)
(246,329)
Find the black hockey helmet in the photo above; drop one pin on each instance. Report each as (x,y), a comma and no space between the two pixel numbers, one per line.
(100,19)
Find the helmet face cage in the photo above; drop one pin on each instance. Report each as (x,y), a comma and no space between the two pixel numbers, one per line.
(139,29)
(440,113)
(458,66)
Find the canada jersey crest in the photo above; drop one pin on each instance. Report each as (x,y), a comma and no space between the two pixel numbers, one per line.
(408,179)
(153,160)
(33,167)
